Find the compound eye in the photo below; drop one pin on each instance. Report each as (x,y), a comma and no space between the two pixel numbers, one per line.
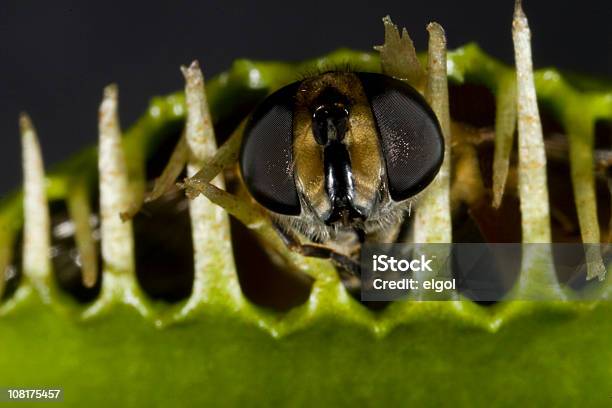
(410,135)
(266,158)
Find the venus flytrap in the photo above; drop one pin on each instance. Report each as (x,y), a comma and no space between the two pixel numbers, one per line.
(467,63)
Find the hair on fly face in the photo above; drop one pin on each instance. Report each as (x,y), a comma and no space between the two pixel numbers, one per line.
(320,69)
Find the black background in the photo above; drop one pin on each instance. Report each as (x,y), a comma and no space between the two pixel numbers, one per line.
(56,56)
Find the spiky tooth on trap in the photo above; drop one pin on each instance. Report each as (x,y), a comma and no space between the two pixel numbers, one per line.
(80,212)
(36,228)
(432,218)
(215,273)
(398,56)
(532,158)
(538,279)
(432,222)
(117,239)
(505,125)
(580,128)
